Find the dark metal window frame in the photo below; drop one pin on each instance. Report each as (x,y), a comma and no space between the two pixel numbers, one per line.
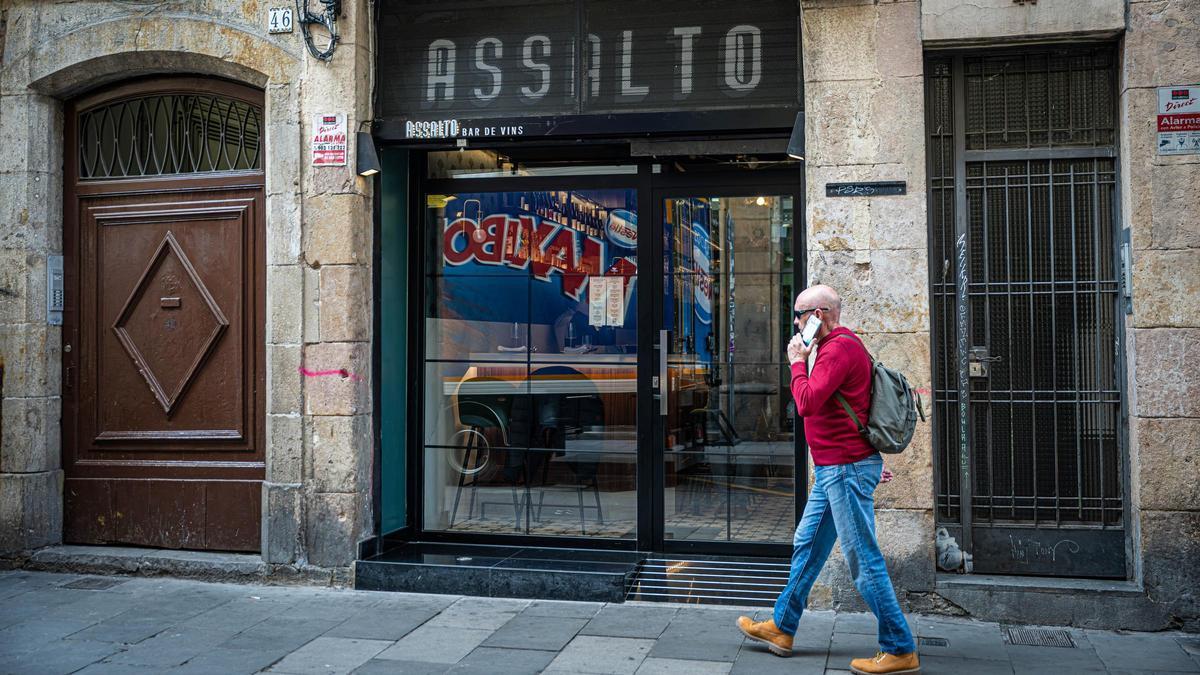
(650,188)
(956,303)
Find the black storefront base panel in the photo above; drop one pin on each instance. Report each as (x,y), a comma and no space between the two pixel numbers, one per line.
(500,571)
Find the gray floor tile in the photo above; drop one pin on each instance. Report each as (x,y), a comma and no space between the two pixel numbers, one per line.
(125,628)
(60,656)
(330,656)
(170,648)
(965,640)
(479,613)
(1053,660)
(30,635)
(656,666)
(499,661)
(947,665)
(573,610)
(536,632)
(221,661)
(279,634)
(632,622)
(864,623)
(391,667)
(845,647)
(106,668)
(753,660)
(1160,653)
(436,644)
(700,635)
(602,655)
(383,624)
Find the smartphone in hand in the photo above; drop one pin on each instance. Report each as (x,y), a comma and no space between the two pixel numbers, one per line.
(810,330)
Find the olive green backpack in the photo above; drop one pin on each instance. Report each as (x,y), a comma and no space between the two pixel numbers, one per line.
(894,407)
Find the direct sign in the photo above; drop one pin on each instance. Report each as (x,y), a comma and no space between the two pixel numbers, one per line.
(1179,120)
(329,140)
(464,69)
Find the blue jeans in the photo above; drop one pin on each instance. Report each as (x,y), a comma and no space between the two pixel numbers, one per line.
(841,507)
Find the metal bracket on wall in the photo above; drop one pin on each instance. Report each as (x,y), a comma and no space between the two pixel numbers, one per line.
(327,17)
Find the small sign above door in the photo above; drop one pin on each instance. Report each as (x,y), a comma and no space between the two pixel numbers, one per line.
(884,188)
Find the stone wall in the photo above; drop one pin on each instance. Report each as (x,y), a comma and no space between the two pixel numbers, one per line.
(316,496)
(1159,198)
(955,21)
(864,97)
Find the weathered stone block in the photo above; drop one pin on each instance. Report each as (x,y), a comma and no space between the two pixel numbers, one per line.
(285,449)
(34,123)
(345,303)
(1170,225)
(284,380)
(282,523)
(839,43)
(347,391)
(31,212)
(337,229)
(839,224)
(30,510)
(285,303)
(1173,356)
(1168,463)
(283,228)
(312,304)
(899,222)
(31,354)
(898,40)
(913,486)
(32,434)
(888,295)
(956,21)
(840,128)
(1166,288)
(1162,45)
(1171,561)
(341,453)
(331,530)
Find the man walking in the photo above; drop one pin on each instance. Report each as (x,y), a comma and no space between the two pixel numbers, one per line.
(841,505)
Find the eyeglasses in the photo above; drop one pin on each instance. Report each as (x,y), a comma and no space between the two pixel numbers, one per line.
(800,314)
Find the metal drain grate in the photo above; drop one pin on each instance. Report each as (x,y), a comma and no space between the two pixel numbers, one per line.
(1038,637)
(934,642)
(94,583)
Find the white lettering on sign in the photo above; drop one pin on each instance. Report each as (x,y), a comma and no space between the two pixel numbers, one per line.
(1179,120)
(441,70)
(739,66)
(329,140)
(685,35)
(527,54)
(455,129)
(743,58)
(497,76)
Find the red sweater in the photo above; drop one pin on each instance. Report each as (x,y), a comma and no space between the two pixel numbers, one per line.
(842,365)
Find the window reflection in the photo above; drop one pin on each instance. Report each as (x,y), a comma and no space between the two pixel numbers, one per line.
(530,351)
(728,435)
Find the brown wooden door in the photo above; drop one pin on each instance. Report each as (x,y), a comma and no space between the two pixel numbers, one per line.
(163,338)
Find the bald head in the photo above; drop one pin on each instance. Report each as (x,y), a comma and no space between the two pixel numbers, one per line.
(826,301)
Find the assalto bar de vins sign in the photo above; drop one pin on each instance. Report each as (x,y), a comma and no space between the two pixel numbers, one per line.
(458,69)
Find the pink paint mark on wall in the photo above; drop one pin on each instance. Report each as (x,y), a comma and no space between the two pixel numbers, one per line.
(924,392)
(330,373)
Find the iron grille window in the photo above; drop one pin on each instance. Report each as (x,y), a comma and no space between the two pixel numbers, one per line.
(169,134)
(1037,241)
(1040,99)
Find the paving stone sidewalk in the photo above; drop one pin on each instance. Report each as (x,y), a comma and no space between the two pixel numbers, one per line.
(55,623)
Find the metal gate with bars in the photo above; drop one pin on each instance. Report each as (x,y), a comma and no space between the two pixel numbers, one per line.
(1025,291)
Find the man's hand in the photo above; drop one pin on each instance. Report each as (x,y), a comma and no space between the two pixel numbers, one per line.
(796,351)
(885,476)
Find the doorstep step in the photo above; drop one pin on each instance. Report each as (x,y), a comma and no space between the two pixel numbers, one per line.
(710,581)
(499,571)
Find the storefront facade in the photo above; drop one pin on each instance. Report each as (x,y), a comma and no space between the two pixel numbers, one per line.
(555,319)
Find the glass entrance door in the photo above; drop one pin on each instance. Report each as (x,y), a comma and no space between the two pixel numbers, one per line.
(728,449)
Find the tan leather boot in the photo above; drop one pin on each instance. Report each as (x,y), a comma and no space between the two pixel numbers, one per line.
(779,642)
(886,663)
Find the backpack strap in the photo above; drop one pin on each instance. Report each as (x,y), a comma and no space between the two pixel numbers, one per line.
(842,399)
(850,411)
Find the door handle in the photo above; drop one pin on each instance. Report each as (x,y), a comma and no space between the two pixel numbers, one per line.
(663,385)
